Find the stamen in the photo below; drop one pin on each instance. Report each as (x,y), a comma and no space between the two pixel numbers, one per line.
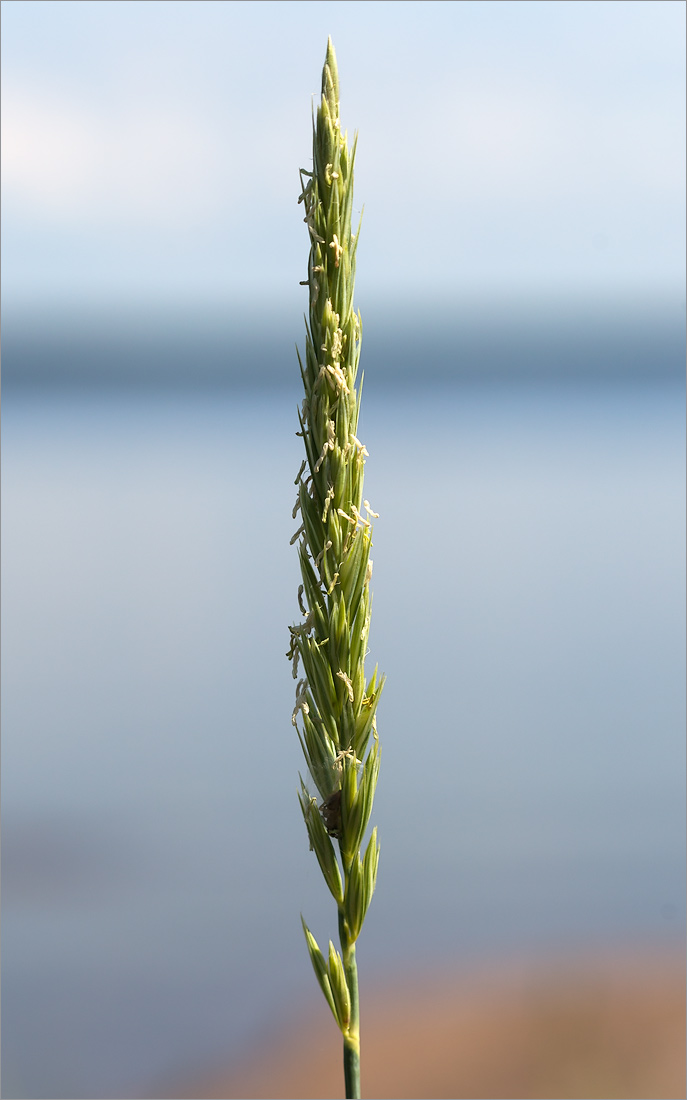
(327,501)
(337,249)
(339,378)
(337,344)
(349,685)
(323,551)
(342,755)
(328,444)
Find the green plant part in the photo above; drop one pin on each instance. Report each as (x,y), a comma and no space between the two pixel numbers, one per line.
(335,703)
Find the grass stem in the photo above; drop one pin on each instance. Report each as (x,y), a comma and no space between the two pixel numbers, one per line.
(351,1045)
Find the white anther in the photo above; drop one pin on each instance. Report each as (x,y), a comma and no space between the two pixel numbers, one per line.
(339,377)
(349,685)
(366,506)
(323,551)
(313,232)
(337,344)
(301,703)
(328,444)
(327,501)
(346,754)
(337,249)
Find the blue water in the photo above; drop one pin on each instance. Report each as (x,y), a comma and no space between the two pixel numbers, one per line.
(528,611)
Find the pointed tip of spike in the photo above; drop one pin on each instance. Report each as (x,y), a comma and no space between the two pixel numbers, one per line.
(330,80)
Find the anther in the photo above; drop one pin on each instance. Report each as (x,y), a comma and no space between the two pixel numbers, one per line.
(337,249)
(349,685)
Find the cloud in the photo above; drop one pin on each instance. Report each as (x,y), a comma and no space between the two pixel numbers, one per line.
(149,150)
(495,138)
(64,161)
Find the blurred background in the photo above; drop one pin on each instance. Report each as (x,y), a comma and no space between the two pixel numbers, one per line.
(521,281)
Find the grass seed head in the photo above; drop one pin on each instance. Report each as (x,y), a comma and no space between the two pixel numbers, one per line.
(335,703)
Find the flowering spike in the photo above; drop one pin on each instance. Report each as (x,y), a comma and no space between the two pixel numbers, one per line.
(335,704)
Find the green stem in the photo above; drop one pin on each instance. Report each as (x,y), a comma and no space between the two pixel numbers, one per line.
(352,1036)
(352,1033)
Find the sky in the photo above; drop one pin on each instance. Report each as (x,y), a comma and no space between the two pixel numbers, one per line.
(151,150)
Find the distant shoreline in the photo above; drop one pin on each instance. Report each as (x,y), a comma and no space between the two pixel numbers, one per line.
(167,352)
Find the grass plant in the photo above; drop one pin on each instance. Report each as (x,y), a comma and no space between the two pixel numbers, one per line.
(335,703)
